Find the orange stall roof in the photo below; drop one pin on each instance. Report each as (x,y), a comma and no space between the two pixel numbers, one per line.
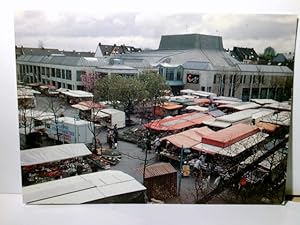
(228,136)
(188,138)
(178,122)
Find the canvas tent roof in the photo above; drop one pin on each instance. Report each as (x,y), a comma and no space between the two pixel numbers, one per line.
(75,93)
(39,115)
(197,108)
(178,122)
(238,116)
(263,101)
(87,105)
(82,188)
(188,138)
(282,118)
(225,137)
(284,106)
(241,106)
(53,153)
(233,149)
(216,123)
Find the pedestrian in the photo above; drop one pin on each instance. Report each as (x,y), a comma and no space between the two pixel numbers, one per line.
(115,142)
(148,145)
(115,132)
(157,145)
(110,139)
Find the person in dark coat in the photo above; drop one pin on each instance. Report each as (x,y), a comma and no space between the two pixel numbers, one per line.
(116,133)
(148,144)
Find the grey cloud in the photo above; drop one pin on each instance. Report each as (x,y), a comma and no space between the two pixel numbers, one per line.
(147,29)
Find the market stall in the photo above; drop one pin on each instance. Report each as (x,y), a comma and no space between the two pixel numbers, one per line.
(178,123)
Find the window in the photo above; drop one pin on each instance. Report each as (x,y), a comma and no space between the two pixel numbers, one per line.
(244,79)
(169,74)
(179,74)
(47,71)
(69,75)
(38,70)
(254,79)
(27,69)
(43,81)
(58,85)
(63,85)
(202,88)
(80,87)
(30,69)
(43,70)
(209,89)
(69,86)
(34,70)
(63,74)
(215,78)
(53,83)
(52,72)
(250,79)
(58,73)
(78,74)
(161,70)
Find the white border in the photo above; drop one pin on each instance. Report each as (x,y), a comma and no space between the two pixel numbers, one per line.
(16,213)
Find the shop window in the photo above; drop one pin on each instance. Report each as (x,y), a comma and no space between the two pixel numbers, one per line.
(78,74)
(58,73)
(52,72)
(169,74)
(69,75)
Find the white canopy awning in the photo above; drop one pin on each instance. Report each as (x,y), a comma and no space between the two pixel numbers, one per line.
(53,153)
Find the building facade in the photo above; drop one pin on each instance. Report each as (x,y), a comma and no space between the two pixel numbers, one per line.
(65,71)
(187,61)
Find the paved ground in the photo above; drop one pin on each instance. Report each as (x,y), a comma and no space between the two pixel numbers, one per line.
(132,156)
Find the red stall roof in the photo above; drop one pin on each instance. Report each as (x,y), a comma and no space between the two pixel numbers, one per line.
(88,105)
(188,138)
(226,137)
(178,122)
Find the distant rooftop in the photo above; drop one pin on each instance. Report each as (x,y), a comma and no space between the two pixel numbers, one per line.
(190,41)
(49,51)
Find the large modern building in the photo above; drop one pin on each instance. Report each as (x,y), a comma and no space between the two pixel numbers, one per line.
(190,61)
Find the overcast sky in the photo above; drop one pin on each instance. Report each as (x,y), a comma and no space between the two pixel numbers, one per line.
(83,31)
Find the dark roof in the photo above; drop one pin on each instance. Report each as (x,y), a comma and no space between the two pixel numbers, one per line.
(216,113)
(280,58)
(107,50)
(79,54)
(244,54)
(190,41)
(49,51)
(159,169)
(35,51)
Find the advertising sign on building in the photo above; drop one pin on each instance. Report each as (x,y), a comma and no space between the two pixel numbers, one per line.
(192,78)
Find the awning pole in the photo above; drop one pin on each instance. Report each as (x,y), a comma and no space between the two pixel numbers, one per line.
(180,170)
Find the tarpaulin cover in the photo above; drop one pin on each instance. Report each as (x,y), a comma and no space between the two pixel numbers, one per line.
(231,135)
(53,153)
(189,138)
(178,122)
